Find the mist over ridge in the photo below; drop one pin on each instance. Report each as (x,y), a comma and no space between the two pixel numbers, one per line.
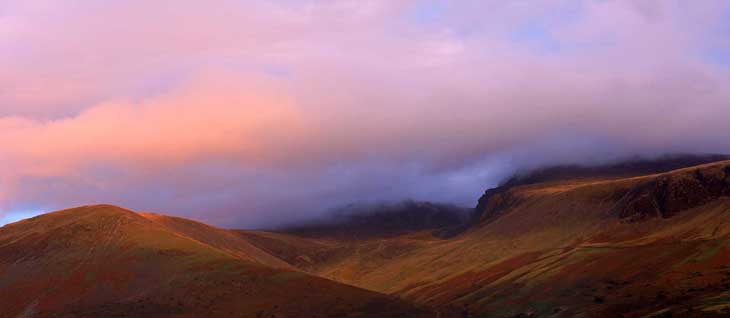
(257,113)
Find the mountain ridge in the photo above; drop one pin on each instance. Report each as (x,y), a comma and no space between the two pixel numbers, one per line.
(636,246)
(620,170)
(536,230)
(384,220)
(102,260)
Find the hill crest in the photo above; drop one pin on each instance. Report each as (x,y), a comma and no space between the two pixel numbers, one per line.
(499,198)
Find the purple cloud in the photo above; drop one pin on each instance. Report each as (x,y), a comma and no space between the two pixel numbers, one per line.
(255,113)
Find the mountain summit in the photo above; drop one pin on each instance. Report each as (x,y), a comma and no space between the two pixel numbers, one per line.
(106,261)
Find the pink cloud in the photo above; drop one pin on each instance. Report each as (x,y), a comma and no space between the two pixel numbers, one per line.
(296,94)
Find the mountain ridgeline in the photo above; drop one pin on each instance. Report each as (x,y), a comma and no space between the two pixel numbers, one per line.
(635,239)
(496,199)
(358,221)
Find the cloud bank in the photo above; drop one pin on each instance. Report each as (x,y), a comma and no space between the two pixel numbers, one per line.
(258,112)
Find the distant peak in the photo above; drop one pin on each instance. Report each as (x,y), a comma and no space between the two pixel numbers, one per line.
(385,219)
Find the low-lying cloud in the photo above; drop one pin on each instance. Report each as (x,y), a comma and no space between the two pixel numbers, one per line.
(257,113)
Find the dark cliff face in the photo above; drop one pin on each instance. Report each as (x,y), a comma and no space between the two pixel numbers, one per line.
(667,195)
(492,203)
(662,196)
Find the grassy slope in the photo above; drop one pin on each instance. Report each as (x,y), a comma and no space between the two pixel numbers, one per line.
(586,247)
(105,261)
(559,249)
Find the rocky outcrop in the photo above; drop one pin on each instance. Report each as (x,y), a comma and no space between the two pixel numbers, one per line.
(646,199)
(493,203)
(668,194)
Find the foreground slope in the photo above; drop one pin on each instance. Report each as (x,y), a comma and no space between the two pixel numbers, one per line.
(104,261)
(637,246)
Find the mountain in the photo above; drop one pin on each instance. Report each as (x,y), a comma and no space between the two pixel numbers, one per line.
(362,221)
(623,169)
(105,261)
(602,244)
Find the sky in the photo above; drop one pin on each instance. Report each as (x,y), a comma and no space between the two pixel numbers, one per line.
(257,113)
